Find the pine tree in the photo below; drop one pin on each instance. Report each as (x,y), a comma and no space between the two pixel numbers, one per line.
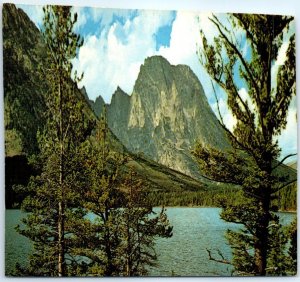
(102,199)
(139,227)
(53,204)
(251,164)
(118,236)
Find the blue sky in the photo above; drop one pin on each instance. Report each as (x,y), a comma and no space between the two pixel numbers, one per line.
(117,42)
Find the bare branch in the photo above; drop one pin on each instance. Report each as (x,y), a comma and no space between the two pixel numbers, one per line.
(218,106)
(218,24)
(286,157)
(222,260)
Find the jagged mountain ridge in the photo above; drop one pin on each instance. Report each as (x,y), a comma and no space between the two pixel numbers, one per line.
(97,105)
(23,51)
(165,116)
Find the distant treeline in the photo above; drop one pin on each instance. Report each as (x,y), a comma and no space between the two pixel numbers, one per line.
(286,200)
(210,198)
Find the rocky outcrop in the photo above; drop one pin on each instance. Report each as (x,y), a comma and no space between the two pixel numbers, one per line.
(97,105)
(118,112)
(165,116)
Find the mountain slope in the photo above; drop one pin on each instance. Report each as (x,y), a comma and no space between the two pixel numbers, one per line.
(25,87)
(23,53)
(165,115)
(25,104)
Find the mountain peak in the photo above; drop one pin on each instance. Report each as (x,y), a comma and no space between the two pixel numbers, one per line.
(119,92)
(166,113)
(158,62)
(156,65)
(155,60)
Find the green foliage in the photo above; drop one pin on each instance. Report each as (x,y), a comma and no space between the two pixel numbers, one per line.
(103,199)
(251,163)
(139,228)
(204,198)
(23,53)
(54,195)
(286,198)
(292,250)
(118,239)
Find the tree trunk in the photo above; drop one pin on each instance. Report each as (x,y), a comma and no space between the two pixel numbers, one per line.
(61,244)
(61,247)
(109,266)
(260,258)
(128,249)
(261,246)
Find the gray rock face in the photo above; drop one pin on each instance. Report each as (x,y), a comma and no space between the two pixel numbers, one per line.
(118,113)
(97,105)
(165,115)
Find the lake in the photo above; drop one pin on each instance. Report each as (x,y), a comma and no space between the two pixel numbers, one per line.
(194,231)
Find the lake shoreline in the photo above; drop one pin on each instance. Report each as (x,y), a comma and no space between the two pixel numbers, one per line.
(166,207)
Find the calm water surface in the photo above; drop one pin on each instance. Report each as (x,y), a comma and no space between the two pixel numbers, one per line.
(194,231)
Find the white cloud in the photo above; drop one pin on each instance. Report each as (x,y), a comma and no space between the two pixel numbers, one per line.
(113,58)
(244,94)
(246,98)
(123,48)
(288,138)
(281,58)
(228,119)
(183,42)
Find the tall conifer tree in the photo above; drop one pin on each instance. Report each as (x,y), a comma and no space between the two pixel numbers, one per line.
(118,240)
(251,163)
(103,198)
(53,203)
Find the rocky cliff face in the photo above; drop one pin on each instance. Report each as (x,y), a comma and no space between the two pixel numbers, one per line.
(165,115)
(118,112)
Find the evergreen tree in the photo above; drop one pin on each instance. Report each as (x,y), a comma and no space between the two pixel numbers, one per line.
(117,238)
(251,163)
(53,204)
(292,251)
(139,227)
(103,199)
